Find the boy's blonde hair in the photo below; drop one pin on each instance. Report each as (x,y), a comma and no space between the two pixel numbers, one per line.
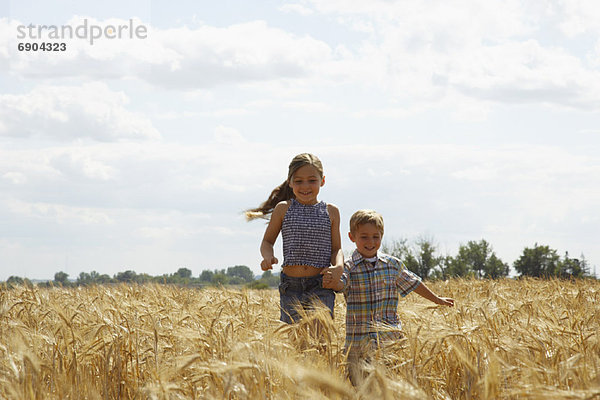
(362,217)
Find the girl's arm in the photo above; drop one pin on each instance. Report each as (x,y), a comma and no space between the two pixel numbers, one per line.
(423,291)
(337,256)
(271,233)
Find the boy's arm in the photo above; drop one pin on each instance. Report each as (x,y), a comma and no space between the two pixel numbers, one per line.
(423,291)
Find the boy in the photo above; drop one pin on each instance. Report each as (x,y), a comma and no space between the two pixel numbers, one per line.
(371,283)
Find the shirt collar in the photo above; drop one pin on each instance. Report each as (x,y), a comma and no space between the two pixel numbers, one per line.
(358,258)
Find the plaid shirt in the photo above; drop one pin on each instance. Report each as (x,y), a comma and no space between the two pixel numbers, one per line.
(371,293)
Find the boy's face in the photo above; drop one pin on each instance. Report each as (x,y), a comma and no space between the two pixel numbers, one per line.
(367,238)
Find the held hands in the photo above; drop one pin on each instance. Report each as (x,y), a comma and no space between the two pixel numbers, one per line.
(332,278)
(267,263)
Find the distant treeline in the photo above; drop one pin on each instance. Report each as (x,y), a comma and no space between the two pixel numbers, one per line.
(478,260)
(474,260)
(237,275)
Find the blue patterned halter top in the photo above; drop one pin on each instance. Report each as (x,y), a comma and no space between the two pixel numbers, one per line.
(306,232)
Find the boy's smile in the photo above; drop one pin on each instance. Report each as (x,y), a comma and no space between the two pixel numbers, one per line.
(367,238)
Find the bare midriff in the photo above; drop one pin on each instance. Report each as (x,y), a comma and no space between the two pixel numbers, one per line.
(301,271)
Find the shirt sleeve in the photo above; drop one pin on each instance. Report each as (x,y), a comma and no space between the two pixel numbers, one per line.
(407,281)
(346,278)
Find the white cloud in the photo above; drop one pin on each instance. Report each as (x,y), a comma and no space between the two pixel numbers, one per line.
(527,73)
(296,8)
(579,16)
(181,58)
(145,175)
(75,166)
(305,106)
(253,51)
(91,110)
(494,19)
(435,53)
(58,213)
(16,178)
(429,52)
(593,57)
(229,136)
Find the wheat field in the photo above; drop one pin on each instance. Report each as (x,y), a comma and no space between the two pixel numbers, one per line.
(507,339)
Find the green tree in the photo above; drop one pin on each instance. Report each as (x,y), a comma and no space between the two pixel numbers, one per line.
(219,278)
(457,266)
(235,280)
(184,273)
(419,258)
(426,258)
(100,279)
(267,280)
(242,272)
(14,281)
(478,259)
(127,276)
(258,284)
(142,278)
(270,279)
(206,275)
(442,270)
(495,268)
(539,261)
(573,267)
(478,253)
(61,278)
(84,278)
(398,248)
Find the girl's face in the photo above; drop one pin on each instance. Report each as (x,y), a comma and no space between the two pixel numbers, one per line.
(306,183)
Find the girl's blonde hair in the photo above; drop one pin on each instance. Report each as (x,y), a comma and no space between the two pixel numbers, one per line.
(284,192)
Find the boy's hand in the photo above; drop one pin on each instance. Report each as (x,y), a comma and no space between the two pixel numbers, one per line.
(267,264)
(332,278)
(336,271)
(424,291)
(445,301)
(330,283)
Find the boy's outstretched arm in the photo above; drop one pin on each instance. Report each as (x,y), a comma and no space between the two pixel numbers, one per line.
(423,291)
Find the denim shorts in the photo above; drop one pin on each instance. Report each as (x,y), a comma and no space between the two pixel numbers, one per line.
(302,292)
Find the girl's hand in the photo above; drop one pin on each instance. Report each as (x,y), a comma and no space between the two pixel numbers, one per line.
(445,301)
(267,264)
(335,271)
(331,280)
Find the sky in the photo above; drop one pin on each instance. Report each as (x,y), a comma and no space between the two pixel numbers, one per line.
(456,120)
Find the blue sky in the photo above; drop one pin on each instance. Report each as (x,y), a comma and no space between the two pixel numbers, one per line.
(457,121)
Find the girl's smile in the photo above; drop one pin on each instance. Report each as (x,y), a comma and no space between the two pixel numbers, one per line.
(306,183)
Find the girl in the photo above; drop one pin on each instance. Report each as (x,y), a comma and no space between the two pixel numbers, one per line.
(311,237)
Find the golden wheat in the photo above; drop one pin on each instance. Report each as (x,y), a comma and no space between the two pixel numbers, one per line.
(507,339)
